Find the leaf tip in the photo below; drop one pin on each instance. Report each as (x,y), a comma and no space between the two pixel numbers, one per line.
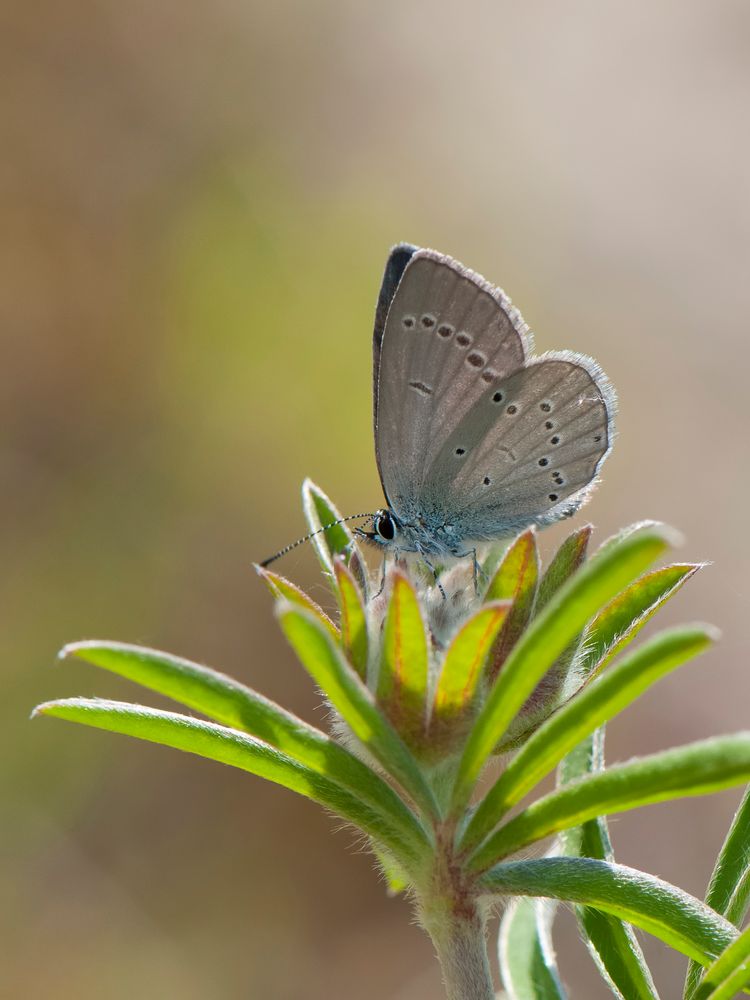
(76,649)
(712,633)
(45,708)
(671,536)
(268,577)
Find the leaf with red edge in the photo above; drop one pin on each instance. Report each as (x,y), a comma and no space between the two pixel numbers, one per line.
(516,581)
(565,562)
(403,672)
(622,619)
(464,662)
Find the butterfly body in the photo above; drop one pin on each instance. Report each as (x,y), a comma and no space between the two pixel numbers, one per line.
(475,438)
(429,535)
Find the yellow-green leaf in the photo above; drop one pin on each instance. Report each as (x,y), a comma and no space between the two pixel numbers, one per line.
(465,660)
(515,581)
(402,677)
(353,619)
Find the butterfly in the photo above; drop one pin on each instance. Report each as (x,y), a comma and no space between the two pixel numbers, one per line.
(475,438)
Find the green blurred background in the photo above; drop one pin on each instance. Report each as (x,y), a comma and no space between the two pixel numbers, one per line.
(196,202)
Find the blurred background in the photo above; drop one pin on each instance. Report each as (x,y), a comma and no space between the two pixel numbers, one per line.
(197,201)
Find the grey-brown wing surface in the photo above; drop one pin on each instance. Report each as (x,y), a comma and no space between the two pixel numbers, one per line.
(449,338)
(526,453)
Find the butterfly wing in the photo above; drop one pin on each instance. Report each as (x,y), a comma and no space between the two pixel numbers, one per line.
(527,452)
(395,266)
(448,337)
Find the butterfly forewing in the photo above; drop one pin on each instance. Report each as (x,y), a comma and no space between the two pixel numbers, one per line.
(449,339)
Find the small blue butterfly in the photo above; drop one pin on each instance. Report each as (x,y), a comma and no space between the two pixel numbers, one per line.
(475,438)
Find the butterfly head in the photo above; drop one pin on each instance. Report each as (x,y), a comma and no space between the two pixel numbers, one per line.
(385,529)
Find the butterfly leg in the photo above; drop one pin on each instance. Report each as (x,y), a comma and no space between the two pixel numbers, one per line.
(435,574)
(476,569)
(382,577)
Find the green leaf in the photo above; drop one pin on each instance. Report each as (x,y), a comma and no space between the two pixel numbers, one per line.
(493,556)
(624,617)
(670,914)
(588,710)
(464,662)
(354,702)
(695,769)
(561,680)
(515,581)
(568,558)
(729,892)
(227,746)
(227,701)
(527,958)
(403,672)
(547,636)
(337,539)
(729,889)
(617,955)
(733,985)
(611,942)
(614,541)
(281,587)
(353,618)
(729,973)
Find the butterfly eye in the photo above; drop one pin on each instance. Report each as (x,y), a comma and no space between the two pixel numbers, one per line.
(385,527)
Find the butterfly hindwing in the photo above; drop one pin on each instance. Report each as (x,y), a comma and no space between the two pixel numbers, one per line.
(527,452)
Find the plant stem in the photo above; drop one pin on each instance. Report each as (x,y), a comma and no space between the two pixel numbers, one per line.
(459,940)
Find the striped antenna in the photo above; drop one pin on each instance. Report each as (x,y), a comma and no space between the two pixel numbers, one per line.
(301,541)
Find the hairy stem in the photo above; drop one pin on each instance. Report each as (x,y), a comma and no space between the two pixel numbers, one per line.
(459,940)
(449,912)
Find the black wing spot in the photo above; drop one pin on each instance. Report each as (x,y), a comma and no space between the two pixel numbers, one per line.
(498,397)
(543,461)
(488,375)
(460,451)
(549,425)
(545,407)
(512,409)
(445,330)
(428,321)
(425,390)
(486,480)
(463,339)
(597,438)
(475,359)
(555,439)
(408,322)
(553,497)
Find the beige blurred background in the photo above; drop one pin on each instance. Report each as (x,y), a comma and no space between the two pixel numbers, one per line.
(196,202)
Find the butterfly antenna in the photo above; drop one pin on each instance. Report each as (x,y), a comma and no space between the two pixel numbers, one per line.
(301,541)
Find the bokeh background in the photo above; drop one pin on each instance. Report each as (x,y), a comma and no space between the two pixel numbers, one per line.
(196,203)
